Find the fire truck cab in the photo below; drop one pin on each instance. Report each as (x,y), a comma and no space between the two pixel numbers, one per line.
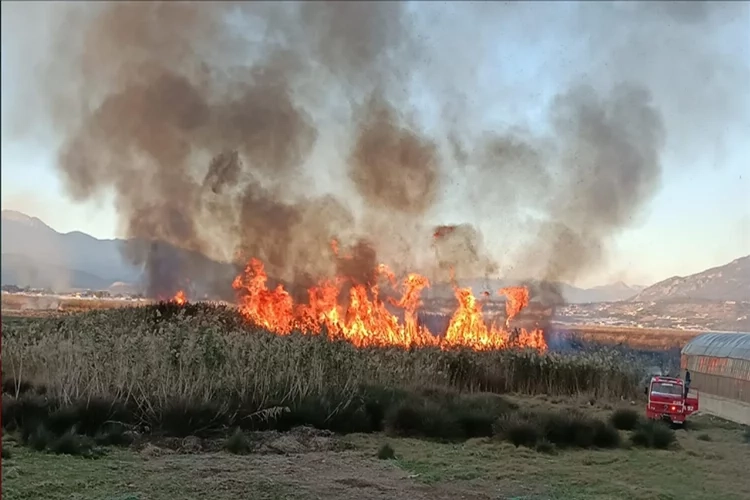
(667,400)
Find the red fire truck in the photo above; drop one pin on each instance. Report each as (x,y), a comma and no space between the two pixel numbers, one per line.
(667,399)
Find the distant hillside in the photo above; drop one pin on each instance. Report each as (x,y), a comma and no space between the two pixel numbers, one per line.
(571,294)
(22,271)
(43,246)
(728,282)
(34,254)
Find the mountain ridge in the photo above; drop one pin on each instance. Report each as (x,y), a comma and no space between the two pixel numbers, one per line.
(728,282)
(29,246)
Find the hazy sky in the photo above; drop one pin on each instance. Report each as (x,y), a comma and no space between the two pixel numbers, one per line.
(699,218)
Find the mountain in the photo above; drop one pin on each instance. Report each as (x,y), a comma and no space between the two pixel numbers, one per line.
(571,294)
(19,269)
(605,293)
(34,254)
(79,252)
(730,282)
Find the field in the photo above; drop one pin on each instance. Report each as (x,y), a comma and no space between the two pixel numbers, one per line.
(16,304)
(166,401)
(649,338)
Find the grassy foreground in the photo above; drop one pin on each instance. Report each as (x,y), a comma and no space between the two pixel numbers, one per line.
(709,462)
(119,386)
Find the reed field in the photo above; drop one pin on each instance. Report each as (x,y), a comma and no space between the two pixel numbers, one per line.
(165,396)
(197,367)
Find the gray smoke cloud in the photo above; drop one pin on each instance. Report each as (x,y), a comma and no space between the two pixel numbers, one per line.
(238,130)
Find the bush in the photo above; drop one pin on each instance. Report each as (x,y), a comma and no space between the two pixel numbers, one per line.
(24,412)
(446,415)
(88,417)
(625,419)
(653,434)
(16,388)
(426,419)
(386,452)
(238,443)
(564,430)
(522,433)
(39,438)
(546,447)
(71,443)
(113,434)
(184,417)
(606,436)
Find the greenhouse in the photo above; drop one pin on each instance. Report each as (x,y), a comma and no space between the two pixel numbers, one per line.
(719,365)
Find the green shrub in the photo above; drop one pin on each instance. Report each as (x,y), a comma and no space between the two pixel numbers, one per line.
(71,443)
(39,438)
(563,429)
(546,447)
(238,443)
(625,419)
(522,433)
(653,434)
(24,412)
(113,434)
(424,418)
(386,452)
(605,435)
(15,388)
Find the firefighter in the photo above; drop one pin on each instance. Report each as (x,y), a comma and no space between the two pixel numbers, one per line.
(687,382)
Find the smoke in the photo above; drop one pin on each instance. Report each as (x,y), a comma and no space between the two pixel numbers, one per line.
(238,130)
(393,168)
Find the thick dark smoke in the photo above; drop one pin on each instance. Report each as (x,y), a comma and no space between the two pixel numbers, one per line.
(213,125)
(392,167)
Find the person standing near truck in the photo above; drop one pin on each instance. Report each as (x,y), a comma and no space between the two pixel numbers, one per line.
(687,382)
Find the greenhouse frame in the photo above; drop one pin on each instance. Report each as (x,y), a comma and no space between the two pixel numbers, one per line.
(719,365)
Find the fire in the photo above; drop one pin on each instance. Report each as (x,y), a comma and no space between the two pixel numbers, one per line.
(367,321)
(180,298)
(517,297)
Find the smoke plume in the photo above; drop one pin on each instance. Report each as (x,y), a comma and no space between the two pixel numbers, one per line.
(237,130)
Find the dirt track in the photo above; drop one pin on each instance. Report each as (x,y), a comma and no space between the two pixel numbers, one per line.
(317,475)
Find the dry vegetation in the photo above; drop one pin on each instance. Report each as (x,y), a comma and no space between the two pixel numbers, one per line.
(81,384)
(45,305)
(153,358)
(650,338)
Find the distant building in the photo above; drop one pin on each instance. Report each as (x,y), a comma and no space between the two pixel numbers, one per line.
(719,365)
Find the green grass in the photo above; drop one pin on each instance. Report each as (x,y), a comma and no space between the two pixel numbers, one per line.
(123,474)
(46,476)
(697,469)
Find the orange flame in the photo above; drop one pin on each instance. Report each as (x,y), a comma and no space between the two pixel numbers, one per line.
(180,298)
(366,321)
(517,297)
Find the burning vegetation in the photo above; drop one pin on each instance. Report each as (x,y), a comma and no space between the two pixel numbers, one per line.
(367,321)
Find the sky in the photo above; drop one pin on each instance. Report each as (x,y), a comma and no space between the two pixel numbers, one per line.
(699,218)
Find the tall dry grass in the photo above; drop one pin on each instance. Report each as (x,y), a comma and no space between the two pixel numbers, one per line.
(156,358)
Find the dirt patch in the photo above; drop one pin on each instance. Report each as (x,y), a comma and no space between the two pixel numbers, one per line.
(311,475)
(297,440)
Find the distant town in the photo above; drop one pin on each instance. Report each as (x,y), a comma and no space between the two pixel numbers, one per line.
(728,315)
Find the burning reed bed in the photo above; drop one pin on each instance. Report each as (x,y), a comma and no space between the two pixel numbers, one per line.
(198,368)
